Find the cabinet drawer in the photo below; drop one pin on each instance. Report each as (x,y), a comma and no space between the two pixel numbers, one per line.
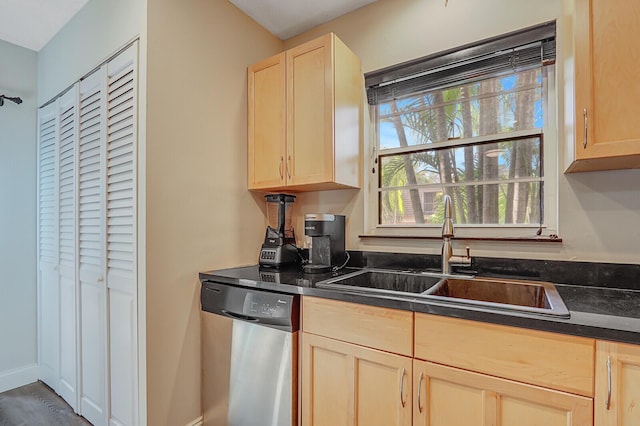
(389,330)
(551,360)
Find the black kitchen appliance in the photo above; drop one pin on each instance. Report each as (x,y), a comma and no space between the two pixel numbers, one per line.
(327,242)
(279,247)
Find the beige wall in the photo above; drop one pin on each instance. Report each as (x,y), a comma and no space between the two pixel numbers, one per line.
(17,217)
(200,215)
(599,213)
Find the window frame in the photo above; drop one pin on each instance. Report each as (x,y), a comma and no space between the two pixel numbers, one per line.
(550,149)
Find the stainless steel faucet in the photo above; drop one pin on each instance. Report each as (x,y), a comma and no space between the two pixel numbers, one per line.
(448,258)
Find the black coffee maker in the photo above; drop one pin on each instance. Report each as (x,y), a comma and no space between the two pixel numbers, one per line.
(279,247)
(327,242)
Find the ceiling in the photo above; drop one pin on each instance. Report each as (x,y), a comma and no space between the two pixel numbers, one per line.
(32,23)
(287,18)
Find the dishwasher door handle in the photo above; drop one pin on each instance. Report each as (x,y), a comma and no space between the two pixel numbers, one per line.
(239,316)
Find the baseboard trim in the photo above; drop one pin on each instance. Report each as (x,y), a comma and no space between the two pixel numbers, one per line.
(196,422)
(14,378)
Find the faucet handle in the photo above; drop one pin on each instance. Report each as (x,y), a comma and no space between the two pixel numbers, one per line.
(461,260)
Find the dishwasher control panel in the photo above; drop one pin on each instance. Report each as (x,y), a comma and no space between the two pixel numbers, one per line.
(267,305)
(267,308)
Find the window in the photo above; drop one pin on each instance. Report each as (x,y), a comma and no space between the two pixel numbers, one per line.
(475,123)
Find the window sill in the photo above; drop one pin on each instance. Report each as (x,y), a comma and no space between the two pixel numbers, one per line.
(533,239)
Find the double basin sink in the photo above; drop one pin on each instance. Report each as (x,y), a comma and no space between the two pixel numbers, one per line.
(533,297)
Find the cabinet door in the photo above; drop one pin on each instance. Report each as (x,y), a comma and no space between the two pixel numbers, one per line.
(266,123)
(310,112)
(450,396)
(617,400)
(345,384)
(607,85)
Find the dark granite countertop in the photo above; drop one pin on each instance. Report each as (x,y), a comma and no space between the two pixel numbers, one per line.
(597,312)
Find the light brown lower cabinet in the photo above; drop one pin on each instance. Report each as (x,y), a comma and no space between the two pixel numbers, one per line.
(346,384)
(446,396)
(366,365)
(617,399)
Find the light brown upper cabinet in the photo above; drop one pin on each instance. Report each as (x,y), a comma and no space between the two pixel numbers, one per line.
(304,124)
(607,72)
(617,401)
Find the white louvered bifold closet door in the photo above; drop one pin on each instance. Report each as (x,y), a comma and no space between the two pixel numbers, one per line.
(91,260)
(68,137)
(87,253)
(121,235)
(48,290)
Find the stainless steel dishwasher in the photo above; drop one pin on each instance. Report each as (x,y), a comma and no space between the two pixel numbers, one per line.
(249,356)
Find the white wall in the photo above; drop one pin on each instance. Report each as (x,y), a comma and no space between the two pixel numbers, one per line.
(599,213)
(17,218)
(96,32)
